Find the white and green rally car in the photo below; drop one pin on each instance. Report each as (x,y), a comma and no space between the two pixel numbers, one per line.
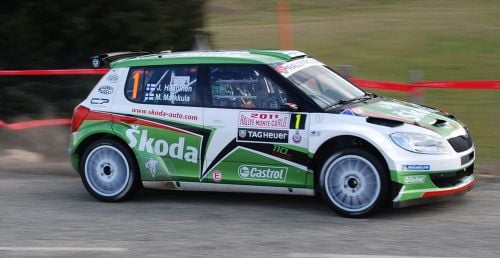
(262,121)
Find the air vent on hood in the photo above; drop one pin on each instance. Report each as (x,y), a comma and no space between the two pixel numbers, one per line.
(439,123)
(384,122)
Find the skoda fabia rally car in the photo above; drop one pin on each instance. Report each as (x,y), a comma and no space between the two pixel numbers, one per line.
(262,121)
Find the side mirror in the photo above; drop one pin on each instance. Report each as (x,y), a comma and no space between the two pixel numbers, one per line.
(289,107)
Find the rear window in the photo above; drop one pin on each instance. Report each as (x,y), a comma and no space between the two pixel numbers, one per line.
(166,85)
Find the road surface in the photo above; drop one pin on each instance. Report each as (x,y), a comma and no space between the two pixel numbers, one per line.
(49,214)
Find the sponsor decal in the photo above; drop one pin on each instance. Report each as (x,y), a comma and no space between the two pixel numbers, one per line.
(290,68)
(417,179)
(172,98)
(139,140)
(298,121)
(296,138)
(170,92)
(150,91)
(99,101)
(267,173)
(217,176)
(162,113)
(112,77)
(105,89)
(179,84)
(242,133)
(294,53)
(315,133)
(259,135)
(347,112)
(268,120)
(416,167)
(281,152)
(152,166)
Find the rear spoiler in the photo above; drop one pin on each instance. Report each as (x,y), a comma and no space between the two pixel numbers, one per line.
(102,59)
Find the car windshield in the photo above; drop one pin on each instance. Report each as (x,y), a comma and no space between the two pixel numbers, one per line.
(325,87)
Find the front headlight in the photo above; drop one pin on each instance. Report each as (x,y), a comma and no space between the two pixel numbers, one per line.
(420,143)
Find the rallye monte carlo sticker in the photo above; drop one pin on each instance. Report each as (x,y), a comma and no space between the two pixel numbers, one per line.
(264,120)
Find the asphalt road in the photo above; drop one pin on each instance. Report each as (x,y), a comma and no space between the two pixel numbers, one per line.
(50,214)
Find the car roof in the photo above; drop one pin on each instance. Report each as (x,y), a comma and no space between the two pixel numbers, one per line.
(211,57)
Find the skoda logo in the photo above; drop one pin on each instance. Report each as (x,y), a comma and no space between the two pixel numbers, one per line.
(244,171)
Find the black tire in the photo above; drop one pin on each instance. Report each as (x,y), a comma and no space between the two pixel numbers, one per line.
(354,183)
(109,171)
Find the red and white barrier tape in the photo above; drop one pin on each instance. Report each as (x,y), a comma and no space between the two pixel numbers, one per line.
(35,123)
(363,83)
(53,72)
(471,85)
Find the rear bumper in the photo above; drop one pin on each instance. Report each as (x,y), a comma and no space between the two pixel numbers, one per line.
(433,195)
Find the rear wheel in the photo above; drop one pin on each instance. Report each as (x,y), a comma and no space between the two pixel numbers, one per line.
(109,171)
(354,183)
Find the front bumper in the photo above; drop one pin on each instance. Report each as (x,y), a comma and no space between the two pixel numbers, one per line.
(432,187)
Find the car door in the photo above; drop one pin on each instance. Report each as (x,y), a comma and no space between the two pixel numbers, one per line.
(256,137)
(160,117)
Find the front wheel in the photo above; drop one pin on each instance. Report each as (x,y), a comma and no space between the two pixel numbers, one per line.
(109,171)
(354,183)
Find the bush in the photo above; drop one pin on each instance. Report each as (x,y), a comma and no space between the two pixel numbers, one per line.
(64,34)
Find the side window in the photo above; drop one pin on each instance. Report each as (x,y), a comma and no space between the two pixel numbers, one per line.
(165,85)
(244,87)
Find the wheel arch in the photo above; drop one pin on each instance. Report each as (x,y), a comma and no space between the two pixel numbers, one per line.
(338,143)
(85,143)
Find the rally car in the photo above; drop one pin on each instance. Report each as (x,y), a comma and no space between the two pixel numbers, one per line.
(263,121)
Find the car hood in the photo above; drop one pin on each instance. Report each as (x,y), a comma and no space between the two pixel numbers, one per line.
(432,119)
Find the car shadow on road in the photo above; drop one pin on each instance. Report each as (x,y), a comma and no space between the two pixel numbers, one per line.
(224,199)
(286,202)
(428,209)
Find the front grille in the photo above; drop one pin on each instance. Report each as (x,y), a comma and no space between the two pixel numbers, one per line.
(462,142)
(448,179)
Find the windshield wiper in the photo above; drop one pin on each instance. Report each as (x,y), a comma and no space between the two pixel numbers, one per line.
(341,102)
(364,97)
